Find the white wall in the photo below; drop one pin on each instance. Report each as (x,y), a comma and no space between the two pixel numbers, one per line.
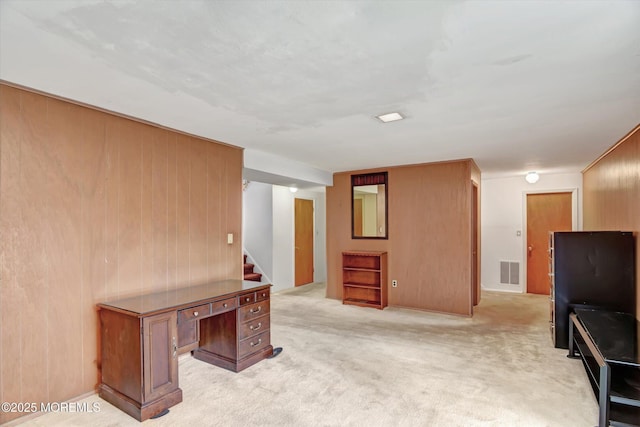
(257,226)
(283,239)
(283,236)
(503,214)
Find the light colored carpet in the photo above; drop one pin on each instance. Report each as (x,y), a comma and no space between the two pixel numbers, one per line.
(346,365)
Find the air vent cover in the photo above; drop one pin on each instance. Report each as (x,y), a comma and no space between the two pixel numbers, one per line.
(510,272)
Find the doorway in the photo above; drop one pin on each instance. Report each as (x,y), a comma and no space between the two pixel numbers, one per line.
(545,212)
(303,241)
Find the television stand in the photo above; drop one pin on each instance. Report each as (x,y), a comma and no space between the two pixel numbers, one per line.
(608,343)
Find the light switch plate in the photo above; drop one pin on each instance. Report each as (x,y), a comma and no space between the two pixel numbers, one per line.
(230,238)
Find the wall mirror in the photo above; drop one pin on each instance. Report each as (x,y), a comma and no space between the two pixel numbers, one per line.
(369,206)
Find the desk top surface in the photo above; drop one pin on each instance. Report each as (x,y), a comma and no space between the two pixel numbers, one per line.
(617,335)
(175,298)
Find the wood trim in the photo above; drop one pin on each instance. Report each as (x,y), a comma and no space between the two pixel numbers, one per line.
(613,147)
(412,165)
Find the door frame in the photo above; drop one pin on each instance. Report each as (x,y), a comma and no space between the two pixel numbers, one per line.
(476,290)
(575,225)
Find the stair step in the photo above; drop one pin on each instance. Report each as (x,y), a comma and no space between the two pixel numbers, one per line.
(248,268)
(256,277)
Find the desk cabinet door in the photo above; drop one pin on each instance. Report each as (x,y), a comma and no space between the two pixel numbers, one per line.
(160,355)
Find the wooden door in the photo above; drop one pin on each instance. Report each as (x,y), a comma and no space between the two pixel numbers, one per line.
(303,241)
(545,212)
(160,355)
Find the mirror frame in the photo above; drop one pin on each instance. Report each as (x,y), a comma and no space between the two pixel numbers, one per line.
(375,178)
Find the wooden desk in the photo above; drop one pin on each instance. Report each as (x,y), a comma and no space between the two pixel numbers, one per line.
(223,323)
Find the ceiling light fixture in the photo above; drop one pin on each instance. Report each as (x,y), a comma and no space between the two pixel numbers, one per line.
(390,117)
(532,177)
(293,189)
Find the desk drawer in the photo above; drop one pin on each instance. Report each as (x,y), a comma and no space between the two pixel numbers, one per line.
(223,305)
(253,344)
(247,299)
(194,313)
(253,311)
(254,326)
(252,297)
(262,295)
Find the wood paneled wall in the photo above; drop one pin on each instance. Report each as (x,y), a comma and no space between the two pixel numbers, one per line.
(611,188)
(95,207)
(429,245)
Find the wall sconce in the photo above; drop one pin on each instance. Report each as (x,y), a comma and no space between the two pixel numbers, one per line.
(532,177)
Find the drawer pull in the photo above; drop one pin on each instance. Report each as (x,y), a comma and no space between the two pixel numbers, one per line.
(264,295)
(247,299)
(224,305)
(257,310)
(255,328)
(252,344)
(195,314)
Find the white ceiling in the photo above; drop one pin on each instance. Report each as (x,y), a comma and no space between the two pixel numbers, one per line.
(517,86)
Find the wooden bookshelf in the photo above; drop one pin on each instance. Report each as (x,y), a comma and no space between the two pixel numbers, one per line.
(364,279)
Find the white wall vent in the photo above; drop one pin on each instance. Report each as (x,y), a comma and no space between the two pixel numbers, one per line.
(510,272)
